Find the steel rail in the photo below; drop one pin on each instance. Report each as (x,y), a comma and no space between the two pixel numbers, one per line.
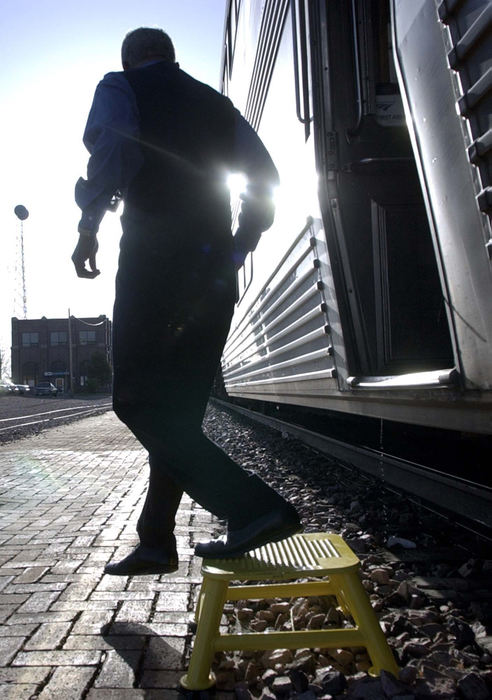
(470,501)
(56,410)
(75,414)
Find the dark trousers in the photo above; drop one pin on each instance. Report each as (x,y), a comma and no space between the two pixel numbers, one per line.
(173,308)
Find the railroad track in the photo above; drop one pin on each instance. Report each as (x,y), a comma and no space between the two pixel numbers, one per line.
(466,502)
(42,419)
(417,567)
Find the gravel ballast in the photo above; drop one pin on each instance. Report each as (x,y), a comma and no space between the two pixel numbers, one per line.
(428,581)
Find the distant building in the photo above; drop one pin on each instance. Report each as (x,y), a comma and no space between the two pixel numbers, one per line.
(52,349)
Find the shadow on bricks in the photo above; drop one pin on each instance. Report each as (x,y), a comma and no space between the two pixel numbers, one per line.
(143,651)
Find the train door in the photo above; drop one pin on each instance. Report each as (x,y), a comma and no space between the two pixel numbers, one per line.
(383,257)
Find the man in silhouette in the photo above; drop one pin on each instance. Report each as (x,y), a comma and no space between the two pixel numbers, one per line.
(166,143)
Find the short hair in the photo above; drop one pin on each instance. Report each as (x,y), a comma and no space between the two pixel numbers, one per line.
(146,42)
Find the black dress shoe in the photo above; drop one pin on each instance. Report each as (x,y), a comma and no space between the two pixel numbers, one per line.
(144,560)
(271,527)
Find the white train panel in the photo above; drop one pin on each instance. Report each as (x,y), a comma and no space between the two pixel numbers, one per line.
(382,304)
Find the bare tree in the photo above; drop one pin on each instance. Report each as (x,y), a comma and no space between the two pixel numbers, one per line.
(4,364)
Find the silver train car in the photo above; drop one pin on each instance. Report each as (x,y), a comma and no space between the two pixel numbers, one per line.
(371,295)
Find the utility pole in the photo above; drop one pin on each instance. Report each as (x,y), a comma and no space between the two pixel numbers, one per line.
(70,356)
(21,213)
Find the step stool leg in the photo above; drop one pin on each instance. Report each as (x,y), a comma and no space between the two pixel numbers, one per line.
(199,605)
(212,598)
(366,620)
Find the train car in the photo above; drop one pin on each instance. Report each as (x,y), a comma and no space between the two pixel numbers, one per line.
(368,304)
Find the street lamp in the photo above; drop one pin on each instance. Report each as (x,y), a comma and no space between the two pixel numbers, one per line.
(21,213)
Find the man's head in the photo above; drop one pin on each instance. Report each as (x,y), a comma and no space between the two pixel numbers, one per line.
(146,44)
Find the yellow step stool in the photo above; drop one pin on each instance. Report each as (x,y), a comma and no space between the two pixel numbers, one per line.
(313,555)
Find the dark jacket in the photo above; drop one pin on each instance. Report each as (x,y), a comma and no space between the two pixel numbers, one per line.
(187,139)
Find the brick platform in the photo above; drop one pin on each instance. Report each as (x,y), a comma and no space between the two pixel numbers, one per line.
(69,501)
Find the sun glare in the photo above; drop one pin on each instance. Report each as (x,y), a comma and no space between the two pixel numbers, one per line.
(237,183)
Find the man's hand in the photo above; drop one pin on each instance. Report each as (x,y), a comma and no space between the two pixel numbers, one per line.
(239,256)
(86,249)
(244,242)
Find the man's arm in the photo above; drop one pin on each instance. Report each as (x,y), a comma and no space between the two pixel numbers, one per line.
(257,208)
(111,137)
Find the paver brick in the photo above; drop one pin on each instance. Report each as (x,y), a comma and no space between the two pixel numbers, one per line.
(172,601)
(173,617)
(40,587)
(67,683)
(12,598)
(17,630)
(94,557)
(89,605)
(17,691)
(135,611)
(58,658)
(117,694)
(167,629)
(161,679)
(96,641)
(25,675)
(92,570)
(164,654)
(31,574)
(83,541)
(48,636)
(141,584)
(118,669)
(4,581)
(77,591)
(8,648)
(52,616)
(67,566)
(39,602)
(21,561)
(91,622)
(112,583)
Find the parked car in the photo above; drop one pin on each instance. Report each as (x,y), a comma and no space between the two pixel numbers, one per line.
(45,389)
(23,388)
(8,388)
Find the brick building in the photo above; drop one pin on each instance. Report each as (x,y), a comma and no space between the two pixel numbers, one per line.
(58,349)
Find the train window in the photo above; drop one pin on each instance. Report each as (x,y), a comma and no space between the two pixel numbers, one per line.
(376,85)
(388,102)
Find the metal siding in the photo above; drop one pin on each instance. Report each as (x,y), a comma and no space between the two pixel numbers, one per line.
(284,334)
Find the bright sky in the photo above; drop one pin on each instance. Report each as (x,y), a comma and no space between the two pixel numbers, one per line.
(53,53)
